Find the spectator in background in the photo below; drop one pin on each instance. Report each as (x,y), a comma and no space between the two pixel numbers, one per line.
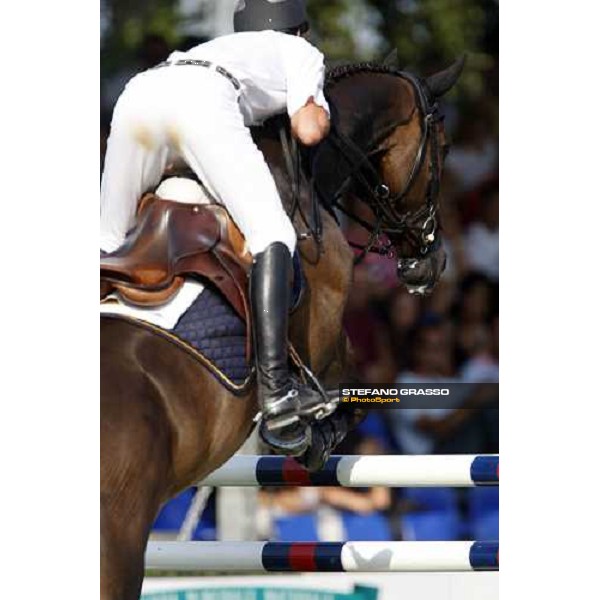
(481,240)
(452,232)
(481,350)
(289,501)
(452,428)
(481,371)
(431,362)
(474,155)
(371,353)
(477,302)
(401,312)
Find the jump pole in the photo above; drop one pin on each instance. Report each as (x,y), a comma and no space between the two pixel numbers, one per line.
(331,557)
(360,471)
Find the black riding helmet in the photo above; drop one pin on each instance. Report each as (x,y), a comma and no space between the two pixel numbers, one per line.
(278,15)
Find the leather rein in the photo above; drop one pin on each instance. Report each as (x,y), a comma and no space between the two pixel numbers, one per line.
(421,225)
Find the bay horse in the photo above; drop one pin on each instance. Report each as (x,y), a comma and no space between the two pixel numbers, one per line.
(167,423)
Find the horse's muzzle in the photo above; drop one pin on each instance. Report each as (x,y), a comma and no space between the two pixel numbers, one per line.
(420,275)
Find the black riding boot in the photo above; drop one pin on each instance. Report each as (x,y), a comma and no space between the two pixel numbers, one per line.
(284,400)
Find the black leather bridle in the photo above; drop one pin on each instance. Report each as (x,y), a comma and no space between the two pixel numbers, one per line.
(420,226)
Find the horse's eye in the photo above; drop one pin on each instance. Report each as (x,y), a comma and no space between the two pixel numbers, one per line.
(446,150)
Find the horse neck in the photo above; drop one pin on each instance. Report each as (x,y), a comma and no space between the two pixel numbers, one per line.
(348,98)
(368,100)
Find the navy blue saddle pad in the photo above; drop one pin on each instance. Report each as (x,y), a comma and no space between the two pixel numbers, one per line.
(213,328)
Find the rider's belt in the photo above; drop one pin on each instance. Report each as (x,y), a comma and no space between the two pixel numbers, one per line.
(202,63)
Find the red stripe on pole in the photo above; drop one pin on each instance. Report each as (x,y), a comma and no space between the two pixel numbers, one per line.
(303,557)
(294,473)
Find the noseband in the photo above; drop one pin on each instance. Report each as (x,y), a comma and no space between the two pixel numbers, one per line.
(419,226)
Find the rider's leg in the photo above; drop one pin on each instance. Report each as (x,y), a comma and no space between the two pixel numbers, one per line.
(136,157)
(220,149)
(282,397)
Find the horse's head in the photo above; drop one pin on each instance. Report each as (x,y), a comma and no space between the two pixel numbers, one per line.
(390,133)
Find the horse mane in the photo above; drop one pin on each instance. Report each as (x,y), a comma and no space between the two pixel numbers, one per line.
(335,74)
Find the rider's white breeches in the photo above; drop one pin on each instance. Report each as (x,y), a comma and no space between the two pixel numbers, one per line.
(194,113)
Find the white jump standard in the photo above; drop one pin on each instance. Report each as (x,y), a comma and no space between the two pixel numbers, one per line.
(360,471)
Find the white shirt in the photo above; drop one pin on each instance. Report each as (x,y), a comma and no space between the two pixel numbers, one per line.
(481,369)
(473,165)
(277,71)
(482,247)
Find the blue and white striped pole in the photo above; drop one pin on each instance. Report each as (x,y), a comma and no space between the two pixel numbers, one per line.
(331,557)
(360,471)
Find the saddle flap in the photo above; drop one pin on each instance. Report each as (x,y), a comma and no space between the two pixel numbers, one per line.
(166,233)
(175,240)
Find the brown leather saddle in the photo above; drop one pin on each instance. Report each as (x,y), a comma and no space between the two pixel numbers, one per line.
(172,241)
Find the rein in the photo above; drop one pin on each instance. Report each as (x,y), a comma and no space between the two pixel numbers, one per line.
(419,226)
(291,153)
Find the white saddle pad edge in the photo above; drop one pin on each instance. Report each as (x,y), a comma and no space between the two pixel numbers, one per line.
(165,316)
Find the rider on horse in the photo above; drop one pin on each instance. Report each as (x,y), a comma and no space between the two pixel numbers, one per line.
(199,105)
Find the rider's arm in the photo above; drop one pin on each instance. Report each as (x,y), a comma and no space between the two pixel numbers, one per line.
(305,75)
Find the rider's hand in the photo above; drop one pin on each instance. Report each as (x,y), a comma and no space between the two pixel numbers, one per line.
(310,124)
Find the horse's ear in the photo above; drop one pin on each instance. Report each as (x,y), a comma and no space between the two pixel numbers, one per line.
(392,60)
(441,83)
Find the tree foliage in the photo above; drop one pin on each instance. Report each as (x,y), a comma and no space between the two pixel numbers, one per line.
(128,21)
(428,34)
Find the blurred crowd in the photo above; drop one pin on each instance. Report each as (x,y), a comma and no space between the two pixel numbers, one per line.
(450,336)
